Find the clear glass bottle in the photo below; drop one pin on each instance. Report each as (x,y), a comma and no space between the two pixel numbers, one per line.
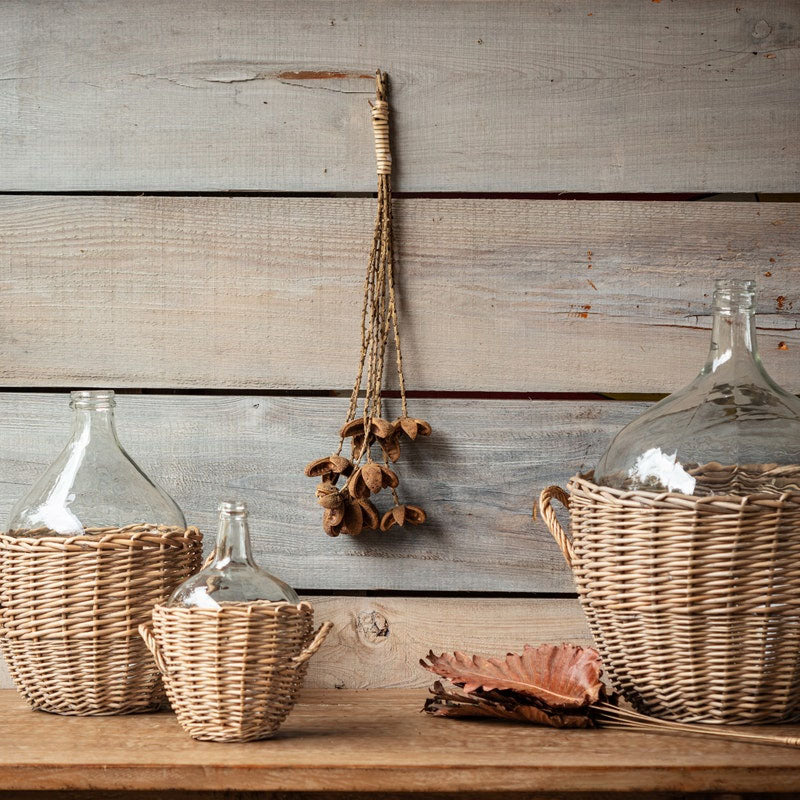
(93,483)
(233,576)
(732,430)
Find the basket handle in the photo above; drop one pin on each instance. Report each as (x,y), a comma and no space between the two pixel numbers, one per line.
(314,644)
(554,526)
(146,632)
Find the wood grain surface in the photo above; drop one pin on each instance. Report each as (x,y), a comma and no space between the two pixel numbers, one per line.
(619,96)
(377,642)
(376,741)
(476,476)
(497,295)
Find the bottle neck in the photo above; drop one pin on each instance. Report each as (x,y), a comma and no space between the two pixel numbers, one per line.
(233,541)
(95,425)
(733,337)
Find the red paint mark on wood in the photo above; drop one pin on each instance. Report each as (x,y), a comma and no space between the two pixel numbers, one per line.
(780,301)
(783,346)
(312,75)
(592,285)
(772,261)
(767,274)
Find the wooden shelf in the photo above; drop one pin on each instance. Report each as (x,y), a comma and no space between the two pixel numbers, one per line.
(375,741)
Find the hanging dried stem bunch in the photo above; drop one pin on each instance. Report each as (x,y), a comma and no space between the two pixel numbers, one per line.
(349,508)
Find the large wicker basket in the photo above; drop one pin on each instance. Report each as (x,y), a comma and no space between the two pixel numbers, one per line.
(694,602)
(233,674)
(70,609)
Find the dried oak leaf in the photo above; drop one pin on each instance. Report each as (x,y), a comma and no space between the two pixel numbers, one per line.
(401,515)
(453,703)
(412,427)
(370,514)
(559,676)
(329,468)
(328,496)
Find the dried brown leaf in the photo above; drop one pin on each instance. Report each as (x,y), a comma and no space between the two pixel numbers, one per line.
(452,703)
(561,677)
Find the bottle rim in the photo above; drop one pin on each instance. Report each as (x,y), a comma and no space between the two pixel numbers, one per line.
(233,507)
(92,398)
(734,293)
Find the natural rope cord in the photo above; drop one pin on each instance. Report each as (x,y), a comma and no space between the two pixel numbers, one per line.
(693,602)
(70,608)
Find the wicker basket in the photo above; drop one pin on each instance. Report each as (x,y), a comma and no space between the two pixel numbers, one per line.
(233,674)
(694,602)
(70,609)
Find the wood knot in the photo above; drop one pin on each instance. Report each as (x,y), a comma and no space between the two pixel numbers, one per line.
(372,626)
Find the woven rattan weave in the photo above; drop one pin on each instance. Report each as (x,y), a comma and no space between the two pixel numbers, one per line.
(70,609)
(694,602)
(232,674)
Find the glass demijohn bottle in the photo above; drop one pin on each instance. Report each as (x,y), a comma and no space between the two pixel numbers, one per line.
(232,576)
(732,430)
(93,483)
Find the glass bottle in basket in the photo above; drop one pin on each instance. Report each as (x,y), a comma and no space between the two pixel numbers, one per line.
(93,484)
(232,576)
(732,430)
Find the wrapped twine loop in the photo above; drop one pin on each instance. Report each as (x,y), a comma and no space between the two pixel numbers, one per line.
(380,129)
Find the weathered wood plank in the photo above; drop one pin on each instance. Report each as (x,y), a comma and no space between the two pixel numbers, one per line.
(496,295)
(377,642)
(371,741)
(501,96)
(476,477)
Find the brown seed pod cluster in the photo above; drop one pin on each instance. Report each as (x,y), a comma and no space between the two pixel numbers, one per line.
(349,508)
(347,485)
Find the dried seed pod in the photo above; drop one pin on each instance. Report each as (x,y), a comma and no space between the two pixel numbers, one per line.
(402,515)
(328,496)
(353,518)
(332,519)
(391,447)
(329,468)
(371,516)
(356,485)
(378,427)
(413,427)
(373,477)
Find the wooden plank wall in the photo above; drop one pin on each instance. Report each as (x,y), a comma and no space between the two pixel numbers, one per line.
(535,326)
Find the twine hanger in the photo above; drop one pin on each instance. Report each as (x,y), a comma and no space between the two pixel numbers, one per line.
(349,509)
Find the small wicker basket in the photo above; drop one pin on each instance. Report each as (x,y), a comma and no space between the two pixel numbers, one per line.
(693,602)
(232,674)
(70,609)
